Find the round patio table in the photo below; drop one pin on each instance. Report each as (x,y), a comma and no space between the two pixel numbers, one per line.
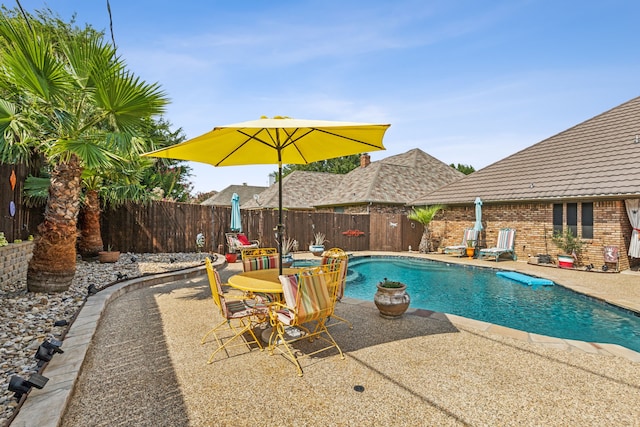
(266,281)
(260,280)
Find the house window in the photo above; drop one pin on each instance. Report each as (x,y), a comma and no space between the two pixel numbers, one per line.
(587,220)
(557,218)
(338,209)
(572,218)
(567,215)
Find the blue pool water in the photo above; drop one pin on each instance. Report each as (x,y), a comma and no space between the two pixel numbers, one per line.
(478,293)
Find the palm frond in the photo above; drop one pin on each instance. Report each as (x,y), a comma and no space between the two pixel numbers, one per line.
(92,154)
(36,190)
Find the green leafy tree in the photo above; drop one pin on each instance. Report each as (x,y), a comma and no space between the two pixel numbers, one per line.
(424,216)
(65,95)
(167,176)
(339,165)
(465,169)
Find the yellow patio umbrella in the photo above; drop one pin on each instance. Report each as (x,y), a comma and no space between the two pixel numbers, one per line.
(280,140)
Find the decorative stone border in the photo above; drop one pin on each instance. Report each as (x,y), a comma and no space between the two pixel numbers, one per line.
(45,407)
(14,261)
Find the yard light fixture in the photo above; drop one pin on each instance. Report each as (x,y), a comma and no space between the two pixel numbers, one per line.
(92,290)
(20,386)
(47,349)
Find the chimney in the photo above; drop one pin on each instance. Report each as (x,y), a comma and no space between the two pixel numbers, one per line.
(365,160)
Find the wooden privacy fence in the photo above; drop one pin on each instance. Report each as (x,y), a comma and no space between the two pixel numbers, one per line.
(16,221)
(173,227)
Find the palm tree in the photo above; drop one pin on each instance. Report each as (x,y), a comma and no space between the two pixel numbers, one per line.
(67,96)
(424,216)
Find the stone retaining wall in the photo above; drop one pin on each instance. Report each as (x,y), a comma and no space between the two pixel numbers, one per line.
(14,260)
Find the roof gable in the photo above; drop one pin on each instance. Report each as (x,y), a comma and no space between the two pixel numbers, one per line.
(393,180)
(300,190)
(223,198)
(597,158)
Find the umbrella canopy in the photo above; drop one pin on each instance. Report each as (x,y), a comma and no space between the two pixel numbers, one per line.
(478,224)
(236,224)
(277,141)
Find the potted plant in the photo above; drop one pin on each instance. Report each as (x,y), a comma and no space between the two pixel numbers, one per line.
(109,255)
(3,240)
(570,245)
(288,245)
(391,298)
(471,248)
(317,246)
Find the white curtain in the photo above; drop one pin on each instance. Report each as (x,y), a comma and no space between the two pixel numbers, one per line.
(633,212)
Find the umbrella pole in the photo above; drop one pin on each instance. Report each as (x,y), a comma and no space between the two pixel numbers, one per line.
(279,227)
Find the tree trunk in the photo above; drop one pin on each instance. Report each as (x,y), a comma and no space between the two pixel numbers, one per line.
(424,241)
(53,264)
(90,238)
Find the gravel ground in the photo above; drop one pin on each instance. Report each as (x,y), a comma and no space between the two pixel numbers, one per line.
(146,367)
(26,319)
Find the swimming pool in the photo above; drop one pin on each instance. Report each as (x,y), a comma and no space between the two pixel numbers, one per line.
(477,293)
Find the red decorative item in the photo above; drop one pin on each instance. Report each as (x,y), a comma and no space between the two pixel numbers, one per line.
(353,233)
(13,180)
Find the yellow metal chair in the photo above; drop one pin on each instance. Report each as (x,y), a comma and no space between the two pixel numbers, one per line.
(340,260)
(310,298)
(259,251)
(239,316)
(260,259)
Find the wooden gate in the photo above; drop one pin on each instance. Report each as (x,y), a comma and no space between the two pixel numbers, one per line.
(386,232)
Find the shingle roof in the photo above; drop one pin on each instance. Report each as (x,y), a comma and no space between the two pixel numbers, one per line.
(393,180)
(223,198)
(300,190)
(598,158)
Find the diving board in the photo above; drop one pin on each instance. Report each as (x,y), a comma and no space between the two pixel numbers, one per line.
(523,278)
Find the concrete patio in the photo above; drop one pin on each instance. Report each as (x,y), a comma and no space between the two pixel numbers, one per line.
(133,357)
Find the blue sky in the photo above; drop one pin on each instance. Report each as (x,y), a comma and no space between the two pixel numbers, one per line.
(468,82)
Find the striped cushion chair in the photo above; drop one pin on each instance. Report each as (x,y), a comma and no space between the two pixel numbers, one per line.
(470,234)
(256,259)
(239,314)
(260,262)
(310,297)
(504,245)
(339,259)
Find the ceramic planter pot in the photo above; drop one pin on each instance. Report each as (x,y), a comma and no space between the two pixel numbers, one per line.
(392,302)
(108,256)
(565,261)
(471,252)
(317,250)
(231,257)
(287,260)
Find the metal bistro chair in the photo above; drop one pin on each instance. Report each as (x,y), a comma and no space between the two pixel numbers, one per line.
(238,241)
(236,313)
(260,259)
(340,259)
(310,299)
(611,255)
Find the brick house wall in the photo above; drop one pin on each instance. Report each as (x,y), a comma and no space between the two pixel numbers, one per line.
(534,227)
